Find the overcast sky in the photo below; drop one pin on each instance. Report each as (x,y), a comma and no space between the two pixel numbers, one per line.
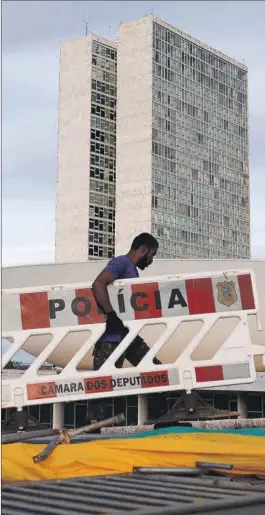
(31,34)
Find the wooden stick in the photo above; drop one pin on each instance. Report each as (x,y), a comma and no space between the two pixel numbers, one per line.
(65,436)
(230,424)
(96,425)
(47,450)
(201,424)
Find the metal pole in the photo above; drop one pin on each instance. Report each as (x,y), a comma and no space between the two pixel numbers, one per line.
(27,435)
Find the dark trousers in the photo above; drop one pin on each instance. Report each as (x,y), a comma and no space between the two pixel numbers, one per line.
(134,353)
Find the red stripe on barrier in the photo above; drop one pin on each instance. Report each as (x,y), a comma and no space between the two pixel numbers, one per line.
(86,307)
(200,296)
(246,291)
(154,379)
(145,301)
(41,391)
(206,374)
(98,384)
(34,310)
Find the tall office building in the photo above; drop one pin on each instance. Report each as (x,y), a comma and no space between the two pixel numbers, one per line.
(181,155)
(182,144)
(85,211)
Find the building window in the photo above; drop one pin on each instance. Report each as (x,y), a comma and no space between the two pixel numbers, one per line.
(199,133)
(103,153)
(255,405)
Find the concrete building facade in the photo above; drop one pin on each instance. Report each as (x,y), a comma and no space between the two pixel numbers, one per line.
(86,150)
(248,400)
(172,159)
(182,144)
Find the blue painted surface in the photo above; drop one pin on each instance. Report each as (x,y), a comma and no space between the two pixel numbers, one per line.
(189,430)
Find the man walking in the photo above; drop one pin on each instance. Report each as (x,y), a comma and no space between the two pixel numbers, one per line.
(143,249)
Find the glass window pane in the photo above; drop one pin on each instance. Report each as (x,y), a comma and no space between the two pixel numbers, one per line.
(80,418)
(46,414)
(69,414)
(132,416)
(254,402)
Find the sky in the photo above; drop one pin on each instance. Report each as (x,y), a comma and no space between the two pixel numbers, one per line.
(31,35)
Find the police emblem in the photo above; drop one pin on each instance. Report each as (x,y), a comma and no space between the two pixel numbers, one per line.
(226,293)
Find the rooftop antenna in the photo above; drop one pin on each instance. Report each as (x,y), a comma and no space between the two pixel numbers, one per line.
(86,25)
(109,31)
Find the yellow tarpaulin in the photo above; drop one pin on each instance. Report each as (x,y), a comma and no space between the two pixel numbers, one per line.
(246,453)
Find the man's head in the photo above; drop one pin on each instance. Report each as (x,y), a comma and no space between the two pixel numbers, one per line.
(143,249)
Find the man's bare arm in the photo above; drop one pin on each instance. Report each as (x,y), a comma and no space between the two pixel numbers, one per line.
(100,290)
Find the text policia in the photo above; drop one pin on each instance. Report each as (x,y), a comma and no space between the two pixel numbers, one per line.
(139,301)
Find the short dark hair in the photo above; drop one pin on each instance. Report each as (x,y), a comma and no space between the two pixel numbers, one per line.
(144,239)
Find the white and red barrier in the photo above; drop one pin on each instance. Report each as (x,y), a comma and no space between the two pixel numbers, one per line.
(61,310)
(134,381)
(70,306)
